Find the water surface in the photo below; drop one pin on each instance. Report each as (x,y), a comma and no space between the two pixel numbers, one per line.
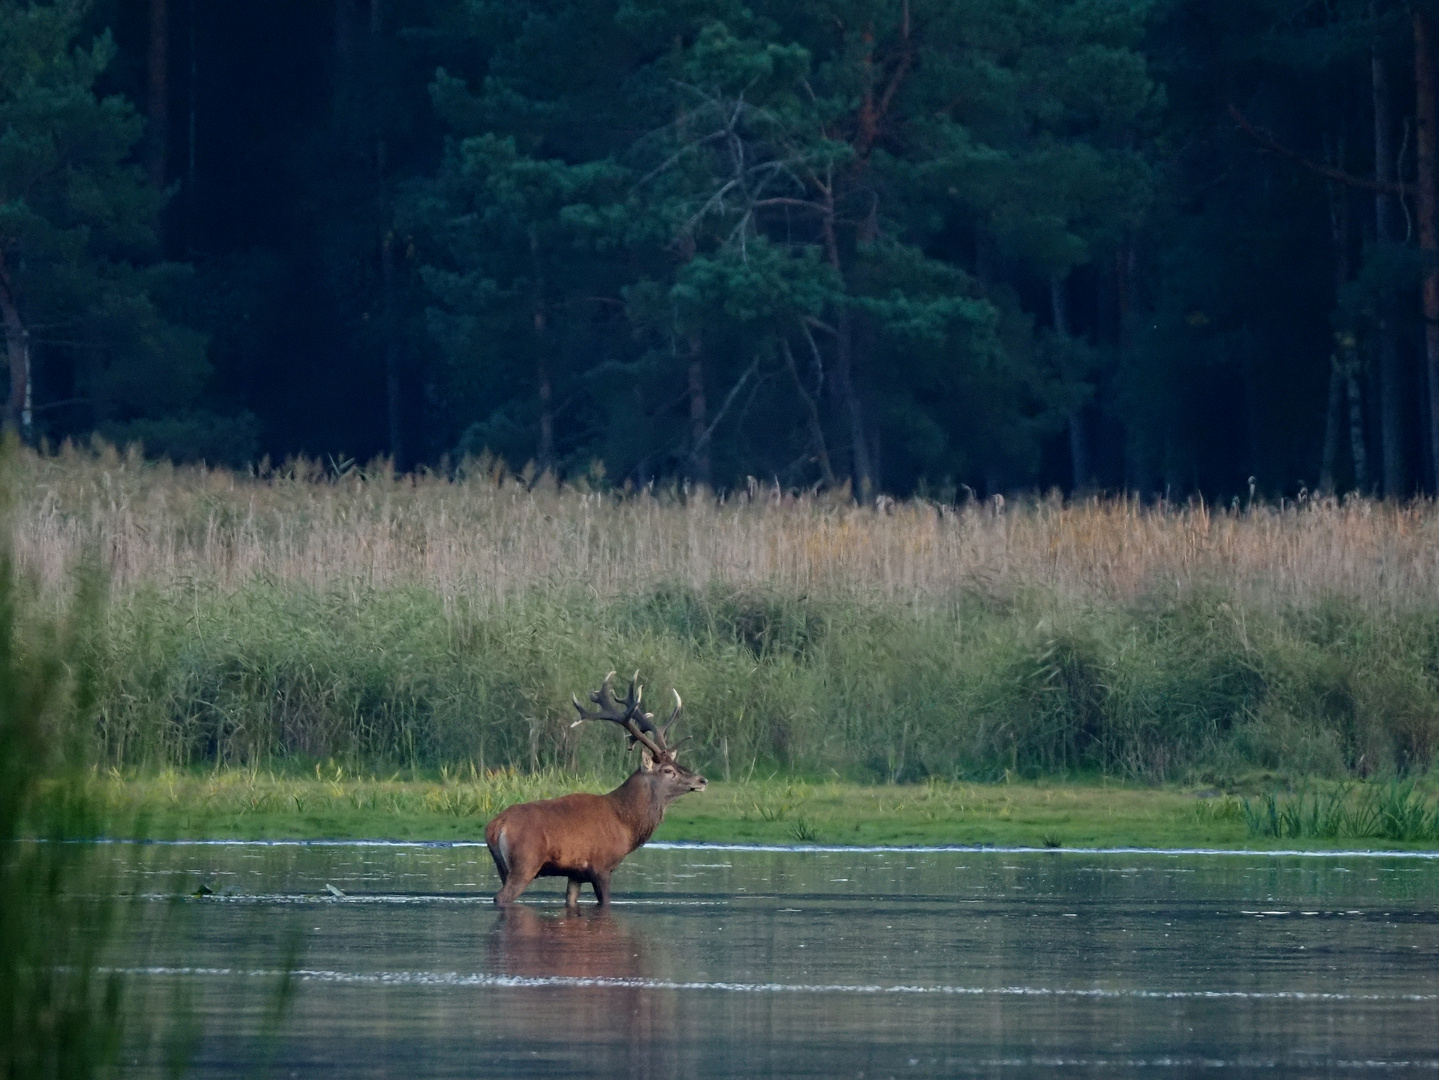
(733,963)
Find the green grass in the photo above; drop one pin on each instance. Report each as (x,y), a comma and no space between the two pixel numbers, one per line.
(245,804)
(1191,688)
(1394,811)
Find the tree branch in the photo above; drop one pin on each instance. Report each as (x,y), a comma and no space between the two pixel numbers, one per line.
(729,400)
(1267,140)
(906,58)
(780,200)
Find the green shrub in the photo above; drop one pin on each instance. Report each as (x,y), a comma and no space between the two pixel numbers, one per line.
(1196,684)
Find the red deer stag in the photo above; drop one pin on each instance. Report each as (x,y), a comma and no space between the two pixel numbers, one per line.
(584,837)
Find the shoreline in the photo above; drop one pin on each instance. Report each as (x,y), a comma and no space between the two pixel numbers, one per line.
(800,849)
(233,806)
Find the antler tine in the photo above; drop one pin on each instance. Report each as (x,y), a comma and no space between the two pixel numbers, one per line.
(581,709)
(609,708)
(604,697)
(665,731)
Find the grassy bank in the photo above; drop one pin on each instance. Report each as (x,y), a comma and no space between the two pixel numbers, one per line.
(244,804)
(421,622)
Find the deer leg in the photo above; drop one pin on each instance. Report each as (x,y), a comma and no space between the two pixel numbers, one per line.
(504,871)
(517,882)
(572,892)
(600,881)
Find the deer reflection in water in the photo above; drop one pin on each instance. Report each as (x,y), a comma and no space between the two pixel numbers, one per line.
(635,1023)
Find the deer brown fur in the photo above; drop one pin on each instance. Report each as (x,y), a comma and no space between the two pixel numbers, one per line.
(585,837)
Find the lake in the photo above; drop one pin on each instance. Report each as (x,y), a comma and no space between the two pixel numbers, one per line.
(723,962)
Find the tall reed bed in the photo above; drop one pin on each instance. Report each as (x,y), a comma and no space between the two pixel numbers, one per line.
(431,621)
(487,536)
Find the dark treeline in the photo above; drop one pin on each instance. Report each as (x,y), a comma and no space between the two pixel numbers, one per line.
(909,245)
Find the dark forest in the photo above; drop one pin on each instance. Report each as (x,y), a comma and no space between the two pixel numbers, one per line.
(911,246)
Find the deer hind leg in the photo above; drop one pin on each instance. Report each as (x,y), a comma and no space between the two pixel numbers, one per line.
(572,892)
(517,882)
(500,864)
(516,871)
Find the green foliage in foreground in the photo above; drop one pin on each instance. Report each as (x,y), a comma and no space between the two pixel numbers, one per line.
(59,1015)
(331,804)
(1198,686)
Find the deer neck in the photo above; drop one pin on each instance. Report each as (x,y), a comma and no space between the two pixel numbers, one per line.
(640,806)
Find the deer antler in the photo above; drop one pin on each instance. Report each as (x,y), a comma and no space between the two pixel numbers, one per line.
(628,714)
(665,731)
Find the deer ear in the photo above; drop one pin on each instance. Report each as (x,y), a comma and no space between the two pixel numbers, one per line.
(647,760)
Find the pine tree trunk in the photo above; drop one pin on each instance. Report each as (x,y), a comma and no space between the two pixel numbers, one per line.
(699,415)
(1357,451)
(816,428)
(1344,365)
(863,475)
(192,207)
(17,352)
(344,51)
(546,393)
(159,92)
(1078,445)
(1424,115)
(1391,423)
(392,351)
(844,382)
(544,387)
(1332,423)
(1137,472)
(388,301)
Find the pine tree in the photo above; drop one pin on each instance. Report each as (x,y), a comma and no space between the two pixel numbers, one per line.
(83,291)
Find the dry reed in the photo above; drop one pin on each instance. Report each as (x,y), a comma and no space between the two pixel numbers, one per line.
(487,535)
